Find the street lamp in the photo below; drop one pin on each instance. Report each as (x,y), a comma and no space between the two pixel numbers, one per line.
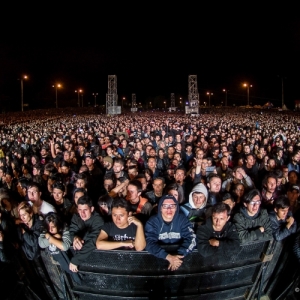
(78,93)
(248,86)
(123,99)
(209,94)
(95,95)
(22,102)
(225,91)
(58,85)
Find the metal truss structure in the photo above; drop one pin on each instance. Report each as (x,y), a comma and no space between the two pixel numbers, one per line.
(172,100)
(172,107)
(112,107)
(193,95)
(133,103)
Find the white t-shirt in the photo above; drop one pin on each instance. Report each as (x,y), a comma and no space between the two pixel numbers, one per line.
(46,208)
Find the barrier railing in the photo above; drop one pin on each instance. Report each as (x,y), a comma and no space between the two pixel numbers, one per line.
(139,275)
(246,274)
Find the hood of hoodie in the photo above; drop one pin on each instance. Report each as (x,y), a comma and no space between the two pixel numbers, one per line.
(199,188)
(161,201)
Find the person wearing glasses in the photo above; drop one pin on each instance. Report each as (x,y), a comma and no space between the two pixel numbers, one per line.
(252,222)
(168,228)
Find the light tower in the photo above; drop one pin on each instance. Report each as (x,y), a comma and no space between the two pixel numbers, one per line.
(193,105)
(173,105)
(112,107)
(24,77)
(133,103)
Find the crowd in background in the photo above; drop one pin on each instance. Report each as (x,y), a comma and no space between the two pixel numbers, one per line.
(118,182)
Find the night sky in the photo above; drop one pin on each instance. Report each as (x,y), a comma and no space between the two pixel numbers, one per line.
(152,50)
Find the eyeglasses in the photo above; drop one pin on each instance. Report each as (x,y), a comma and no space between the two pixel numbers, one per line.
(167,206)
(255,203)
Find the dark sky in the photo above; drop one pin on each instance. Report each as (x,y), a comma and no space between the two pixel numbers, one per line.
(152,50)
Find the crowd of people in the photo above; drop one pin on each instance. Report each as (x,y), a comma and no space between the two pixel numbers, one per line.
(145,181)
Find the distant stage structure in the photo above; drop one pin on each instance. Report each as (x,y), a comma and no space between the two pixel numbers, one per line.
(133,103)
(193,96)
(112,107)
(172,107)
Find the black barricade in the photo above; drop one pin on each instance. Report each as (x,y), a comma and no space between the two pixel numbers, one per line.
(138,275)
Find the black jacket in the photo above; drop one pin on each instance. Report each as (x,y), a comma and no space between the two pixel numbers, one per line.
(248,227)
(279,229)
(87,230)
(228,238)
(29,240)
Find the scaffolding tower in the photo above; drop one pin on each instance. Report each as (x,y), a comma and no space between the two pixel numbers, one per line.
(193,96)
(133,103)
(112,107)
(172,107)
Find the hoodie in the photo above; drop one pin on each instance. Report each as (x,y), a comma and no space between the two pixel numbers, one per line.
(177,232)
(189,209)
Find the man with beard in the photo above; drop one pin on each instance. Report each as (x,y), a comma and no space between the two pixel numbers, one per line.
(214,185)
(107,163)
(269,192)
(250,166)
(223,170)
(118,168)
(180,176)
(157,192)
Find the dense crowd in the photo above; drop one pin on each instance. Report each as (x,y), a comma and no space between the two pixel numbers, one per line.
(142,181)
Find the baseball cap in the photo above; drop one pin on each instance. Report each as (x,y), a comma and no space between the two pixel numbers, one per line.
(294,187)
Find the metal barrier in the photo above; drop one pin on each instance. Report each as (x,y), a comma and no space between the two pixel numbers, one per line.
(256,269)
(139,275)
